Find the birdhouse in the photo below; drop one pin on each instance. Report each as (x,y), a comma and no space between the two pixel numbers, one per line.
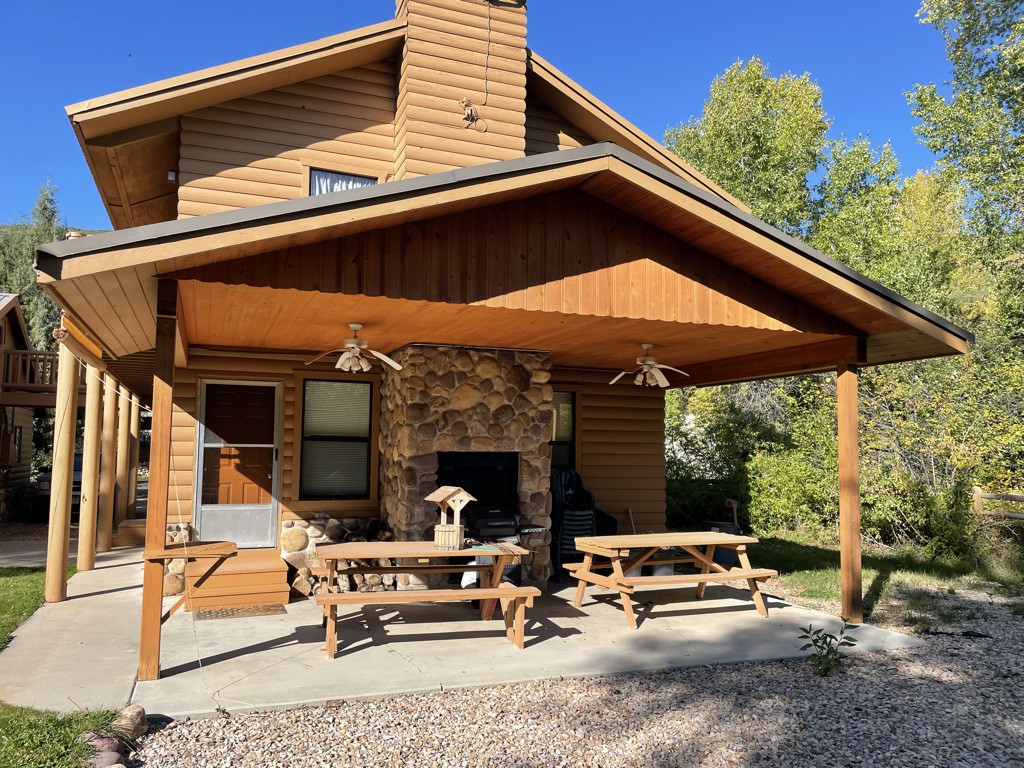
(450,499)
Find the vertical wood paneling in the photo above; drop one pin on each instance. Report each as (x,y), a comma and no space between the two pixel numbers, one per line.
(563,252)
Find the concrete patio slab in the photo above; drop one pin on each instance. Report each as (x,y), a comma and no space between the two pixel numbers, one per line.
(84,652)
(278,661)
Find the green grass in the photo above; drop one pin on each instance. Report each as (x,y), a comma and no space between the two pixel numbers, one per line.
(33,739)
(905,587)
(21,595)
(30,738)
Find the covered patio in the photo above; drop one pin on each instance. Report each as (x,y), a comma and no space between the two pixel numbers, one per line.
(561,264)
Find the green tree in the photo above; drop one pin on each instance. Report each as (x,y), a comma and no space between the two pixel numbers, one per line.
(760,138)
(18,245)
(976,130)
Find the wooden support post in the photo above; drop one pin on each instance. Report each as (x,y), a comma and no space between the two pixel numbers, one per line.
(108,449)
(124,413)
(89,502)
(159,477)
(59,535)
(133,459)
(849,495)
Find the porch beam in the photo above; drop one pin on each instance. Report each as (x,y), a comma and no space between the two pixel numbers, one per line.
(849,495)
(72,335)
(807,358)
(159,478)
(108,467)
(124,413)
(133,459)
(88,505)
(59,534)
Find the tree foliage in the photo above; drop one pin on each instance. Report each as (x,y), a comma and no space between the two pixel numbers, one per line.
(759,137)
(18,243)
(930,429)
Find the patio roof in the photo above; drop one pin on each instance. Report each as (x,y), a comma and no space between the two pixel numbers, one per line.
(107,281)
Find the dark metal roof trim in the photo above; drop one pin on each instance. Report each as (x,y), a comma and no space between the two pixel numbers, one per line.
(49,257)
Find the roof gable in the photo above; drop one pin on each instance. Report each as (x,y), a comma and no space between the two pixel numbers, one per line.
(631,184)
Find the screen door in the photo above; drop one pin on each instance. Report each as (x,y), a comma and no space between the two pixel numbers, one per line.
(237,464)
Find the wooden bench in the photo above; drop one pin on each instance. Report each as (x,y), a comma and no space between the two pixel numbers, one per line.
(514,602)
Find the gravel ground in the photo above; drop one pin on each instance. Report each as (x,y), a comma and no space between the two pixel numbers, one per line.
(956,702)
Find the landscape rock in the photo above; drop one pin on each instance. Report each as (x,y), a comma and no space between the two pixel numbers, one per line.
(131,722)
(100,742)
(105,759)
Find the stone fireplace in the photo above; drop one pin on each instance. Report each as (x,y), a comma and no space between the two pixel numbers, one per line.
(451,399)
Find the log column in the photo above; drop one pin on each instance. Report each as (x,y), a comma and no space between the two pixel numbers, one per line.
(159,477)
(59,534)
(108,450)
(133,459)
(89,503)
(124,446)
(849,495)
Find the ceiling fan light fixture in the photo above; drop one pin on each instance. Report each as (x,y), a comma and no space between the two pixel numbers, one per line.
(352,358)
(649,373)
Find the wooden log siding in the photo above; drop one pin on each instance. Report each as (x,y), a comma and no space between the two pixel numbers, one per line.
(181,501)
(456,50)
(547,131)
(564,252)
(620,446)
(252,150)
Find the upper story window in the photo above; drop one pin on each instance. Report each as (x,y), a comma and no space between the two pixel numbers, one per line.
(323,182)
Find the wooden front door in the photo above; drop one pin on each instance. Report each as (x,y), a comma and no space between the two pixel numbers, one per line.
(237,464)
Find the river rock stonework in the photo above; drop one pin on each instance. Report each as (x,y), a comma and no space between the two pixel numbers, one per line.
(458,399)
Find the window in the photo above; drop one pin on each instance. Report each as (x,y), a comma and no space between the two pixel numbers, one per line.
(323,182)
(335,449)
(17,445)
(563,442)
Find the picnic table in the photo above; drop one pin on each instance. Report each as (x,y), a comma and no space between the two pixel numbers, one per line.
(623,554)
(416,557)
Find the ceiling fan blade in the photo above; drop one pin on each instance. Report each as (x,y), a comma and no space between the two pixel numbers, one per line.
(325,354)
(624,373)
(385,359)
(662,381)
(670,368)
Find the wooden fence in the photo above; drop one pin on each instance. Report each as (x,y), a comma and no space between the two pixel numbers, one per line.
(980,496)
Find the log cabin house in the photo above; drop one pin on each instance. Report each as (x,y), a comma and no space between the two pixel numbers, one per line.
(504,236)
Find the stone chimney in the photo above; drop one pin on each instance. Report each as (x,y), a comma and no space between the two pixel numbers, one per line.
(462,85)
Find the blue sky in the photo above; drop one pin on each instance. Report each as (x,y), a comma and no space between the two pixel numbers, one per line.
(652,61)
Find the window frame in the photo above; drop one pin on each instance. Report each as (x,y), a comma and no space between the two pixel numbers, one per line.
(300,439)
(17,436)
(309,164)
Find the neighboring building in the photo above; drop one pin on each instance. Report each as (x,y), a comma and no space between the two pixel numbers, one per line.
(26,386)
(502,234)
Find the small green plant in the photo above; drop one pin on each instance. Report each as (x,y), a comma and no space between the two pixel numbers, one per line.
(826,656)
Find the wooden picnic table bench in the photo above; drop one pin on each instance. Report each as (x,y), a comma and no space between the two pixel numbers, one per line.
(417,555)
(624,554)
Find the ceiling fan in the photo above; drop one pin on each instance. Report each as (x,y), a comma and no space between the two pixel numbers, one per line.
(649,373)
(353,351)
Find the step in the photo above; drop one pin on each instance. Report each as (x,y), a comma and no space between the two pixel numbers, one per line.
(130,533)
(252,577)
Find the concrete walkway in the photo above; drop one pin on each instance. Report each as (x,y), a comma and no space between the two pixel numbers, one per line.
(29,553)
(84,652)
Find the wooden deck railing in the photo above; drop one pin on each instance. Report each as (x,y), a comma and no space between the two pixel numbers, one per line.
(26,371)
